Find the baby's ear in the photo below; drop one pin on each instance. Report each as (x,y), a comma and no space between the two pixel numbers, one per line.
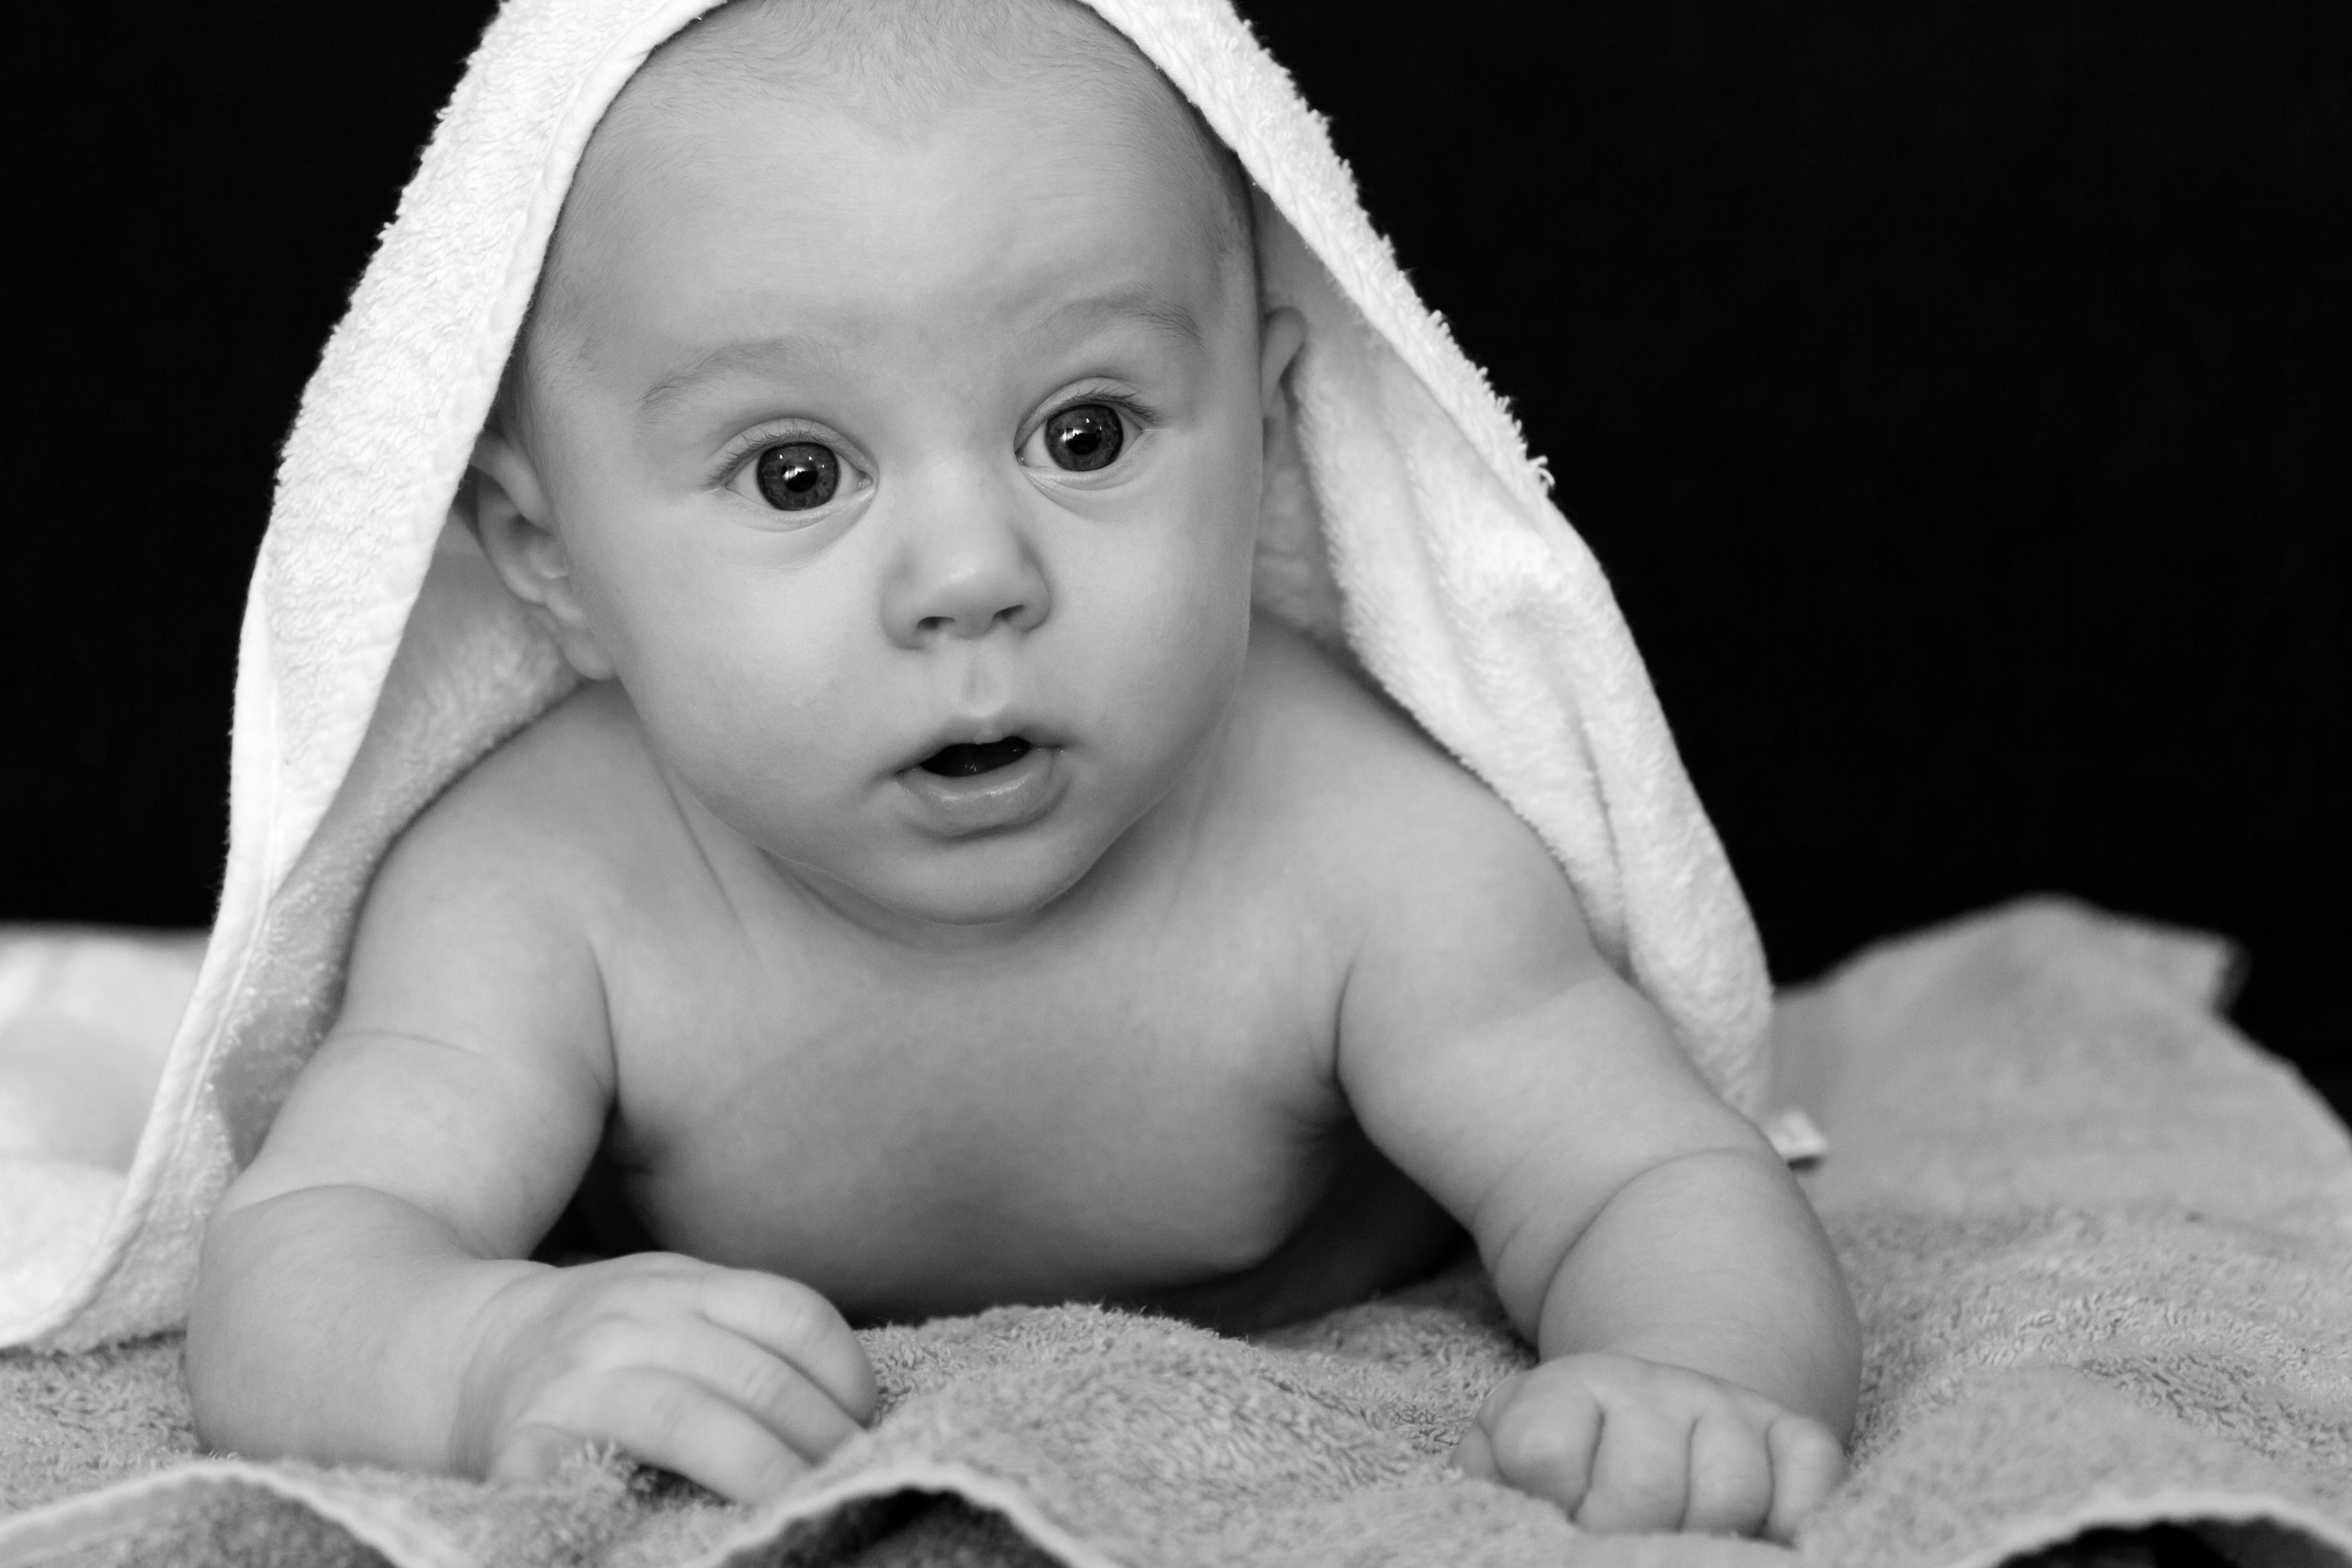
(1280,335)
(519,535)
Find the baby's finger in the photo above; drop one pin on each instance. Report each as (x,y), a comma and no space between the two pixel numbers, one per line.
(534,1453)
(1640,1472)
(1808,1464)
(1541,1431)
(1474,1453)
(1473,1456)
(793,1322)
(671,1421)
(774,1392)
(1730,1475)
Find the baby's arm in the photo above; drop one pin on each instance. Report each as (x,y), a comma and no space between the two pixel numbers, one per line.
(363,1295)
(1698,1350)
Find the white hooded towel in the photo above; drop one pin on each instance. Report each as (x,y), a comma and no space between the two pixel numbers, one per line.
(378,658)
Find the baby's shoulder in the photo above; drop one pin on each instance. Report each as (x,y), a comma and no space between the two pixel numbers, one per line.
(484,924)
(1445,904)
(557,809)
(1344,780)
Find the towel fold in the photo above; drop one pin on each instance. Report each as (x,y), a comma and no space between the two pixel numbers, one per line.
(2102,1249)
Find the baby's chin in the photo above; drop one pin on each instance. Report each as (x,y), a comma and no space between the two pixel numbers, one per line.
(955,895)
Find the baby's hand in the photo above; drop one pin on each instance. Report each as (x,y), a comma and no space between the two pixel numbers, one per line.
(1622,1443)
(738,1380)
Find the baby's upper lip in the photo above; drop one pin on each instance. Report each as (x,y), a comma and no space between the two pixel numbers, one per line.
(977,730)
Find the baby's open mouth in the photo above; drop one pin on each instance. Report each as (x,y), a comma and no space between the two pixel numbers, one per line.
(965,760)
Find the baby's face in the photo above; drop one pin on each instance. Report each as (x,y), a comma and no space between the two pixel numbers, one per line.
(909,483)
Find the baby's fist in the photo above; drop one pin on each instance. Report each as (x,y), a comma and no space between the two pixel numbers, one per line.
(733,1378)
(1622,1443)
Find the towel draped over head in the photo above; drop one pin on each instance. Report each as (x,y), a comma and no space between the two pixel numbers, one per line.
(379,659)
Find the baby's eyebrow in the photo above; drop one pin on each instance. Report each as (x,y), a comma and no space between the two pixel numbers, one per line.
(1164,316)
(721,362)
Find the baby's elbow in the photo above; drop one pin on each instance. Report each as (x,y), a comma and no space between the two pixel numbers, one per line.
(1839,1379)
(260,1272)
(217,1395)
(219,1336)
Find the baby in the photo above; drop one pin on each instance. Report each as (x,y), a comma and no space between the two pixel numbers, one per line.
(941,891)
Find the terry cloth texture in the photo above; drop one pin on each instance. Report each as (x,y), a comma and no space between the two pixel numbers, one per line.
(377,661)
(2102,1250)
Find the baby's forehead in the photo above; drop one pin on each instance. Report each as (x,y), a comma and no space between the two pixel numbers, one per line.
(896,67)
(901,59)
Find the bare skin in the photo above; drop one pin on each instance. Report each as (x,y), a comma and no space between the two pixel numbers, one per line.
(1228,994)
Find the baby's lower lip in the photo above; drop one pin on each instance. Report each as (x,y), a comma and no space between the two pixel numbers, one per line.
(1009,795)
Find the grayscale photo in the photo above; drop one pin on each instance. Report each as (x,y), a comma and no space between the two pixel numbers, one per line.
(1152,783)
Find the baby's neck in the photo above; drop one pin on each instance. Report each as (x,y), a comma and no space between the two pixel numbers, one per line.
(840,905)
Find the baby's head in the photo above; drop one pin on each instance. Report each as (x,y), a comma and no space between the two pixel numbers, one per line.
(891,424)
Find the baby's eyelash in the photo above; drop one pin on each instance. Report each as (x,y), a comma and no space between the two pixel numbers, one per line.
(1126,403)
(743,448)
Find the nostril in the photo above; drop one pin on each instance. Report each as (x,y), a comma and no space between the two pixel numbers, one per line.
(1012,615)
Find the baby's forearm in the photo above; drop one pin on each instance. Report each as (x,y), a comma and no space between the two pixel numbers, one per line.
(1714,1261)
(333,1324)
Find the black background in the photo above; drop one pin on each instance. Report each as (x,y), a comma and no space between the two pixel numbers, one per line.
(1955,390)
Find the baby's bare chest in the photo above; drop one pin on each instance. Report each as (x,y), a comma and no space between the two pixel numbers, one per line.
(1108,1122)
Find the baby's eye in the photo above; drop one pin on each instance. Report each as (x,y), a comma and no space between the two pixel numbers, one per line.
(1084,437)
(795,476)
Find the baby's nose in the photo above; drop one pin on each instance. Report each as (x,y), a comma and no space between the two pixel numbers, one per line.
(965,577)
